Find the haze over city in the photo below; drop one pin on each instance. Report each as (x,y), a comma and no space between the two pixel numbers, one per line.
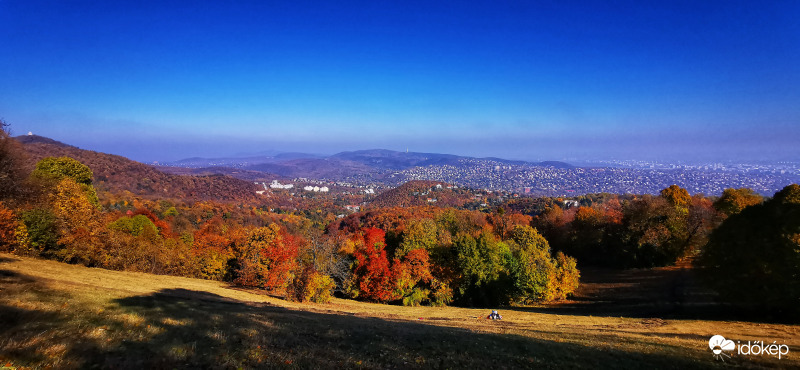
(159,81)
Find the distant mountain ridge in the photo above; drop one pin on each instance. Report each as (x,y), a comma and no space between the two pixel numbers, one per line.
(374,162)
(237,179)
(393,160)
(381,158)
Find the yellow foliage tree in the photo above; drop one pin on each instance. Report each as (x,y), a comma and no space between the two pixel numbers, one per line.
(78,223)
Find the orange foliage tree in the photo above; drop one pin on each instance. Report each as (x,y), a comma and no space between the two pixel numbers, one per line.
(267,259)
(212,247)
(411,274)
(8,229)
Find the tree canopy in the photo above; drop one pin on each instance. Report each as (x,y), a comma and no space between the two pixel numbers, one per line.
(753,258)
(57,168)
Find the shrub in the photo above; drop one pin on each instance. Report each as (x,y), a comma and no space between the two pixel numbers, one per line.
(311,285)
(417,296)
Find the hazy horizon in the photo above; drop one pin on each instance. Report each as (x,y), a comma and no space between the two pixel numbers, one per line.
(157,81)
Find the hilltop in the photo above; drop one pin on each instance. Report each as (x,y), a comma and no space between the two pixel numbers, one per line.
(421,193)
(116,174)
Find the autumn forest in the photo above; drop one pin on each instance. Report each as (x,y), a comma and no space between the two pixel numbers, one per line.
(524,251)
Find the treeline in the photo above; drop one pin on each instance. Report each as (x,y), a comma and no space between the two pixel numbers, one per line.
(633,231)
(442,255)
(746,247)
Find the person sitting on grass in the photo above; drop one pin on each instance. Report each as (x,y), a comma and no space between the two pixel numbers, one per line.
(494,316)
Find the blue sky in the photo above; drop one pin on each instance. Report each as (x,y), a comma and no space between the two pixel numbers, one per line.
(164,80)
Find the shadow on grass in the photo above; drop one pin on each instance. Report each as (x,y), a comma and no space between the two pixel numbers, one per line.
(178,328)
(4,259)
(666,293)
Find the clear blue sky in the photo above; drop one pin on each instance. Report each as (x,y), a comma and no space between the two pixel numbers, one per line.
(163,80)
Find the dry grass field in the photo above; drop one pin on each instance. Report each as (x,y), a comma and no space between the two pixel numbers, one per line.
(59,316)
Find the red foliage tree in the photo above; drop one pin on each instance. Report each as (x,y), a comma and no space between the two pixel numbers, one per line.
(268,258)
(373,276)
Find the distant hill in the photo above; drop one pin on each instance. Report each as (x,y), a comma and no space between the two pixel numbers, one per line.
(392,160)
(330,168)
(421,193)
(374,163)
(238,162)
(197,162)
(239,173)
(115,173)
(555,164)
(36,139)
(295,155)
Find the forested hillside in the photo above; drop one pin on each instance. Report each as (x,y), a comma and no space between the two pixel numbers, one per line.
(420,193)
(115,174)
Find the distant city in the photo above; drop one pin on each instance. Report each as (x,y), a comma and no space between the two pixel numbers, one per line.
(382,168)
(643,179)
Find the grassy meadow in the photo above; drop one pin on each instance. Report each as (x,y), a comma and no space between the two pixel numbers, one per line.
(54,315)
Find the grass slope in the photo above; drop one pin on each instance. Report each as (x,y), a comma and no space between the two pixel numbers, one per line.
(54,315)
